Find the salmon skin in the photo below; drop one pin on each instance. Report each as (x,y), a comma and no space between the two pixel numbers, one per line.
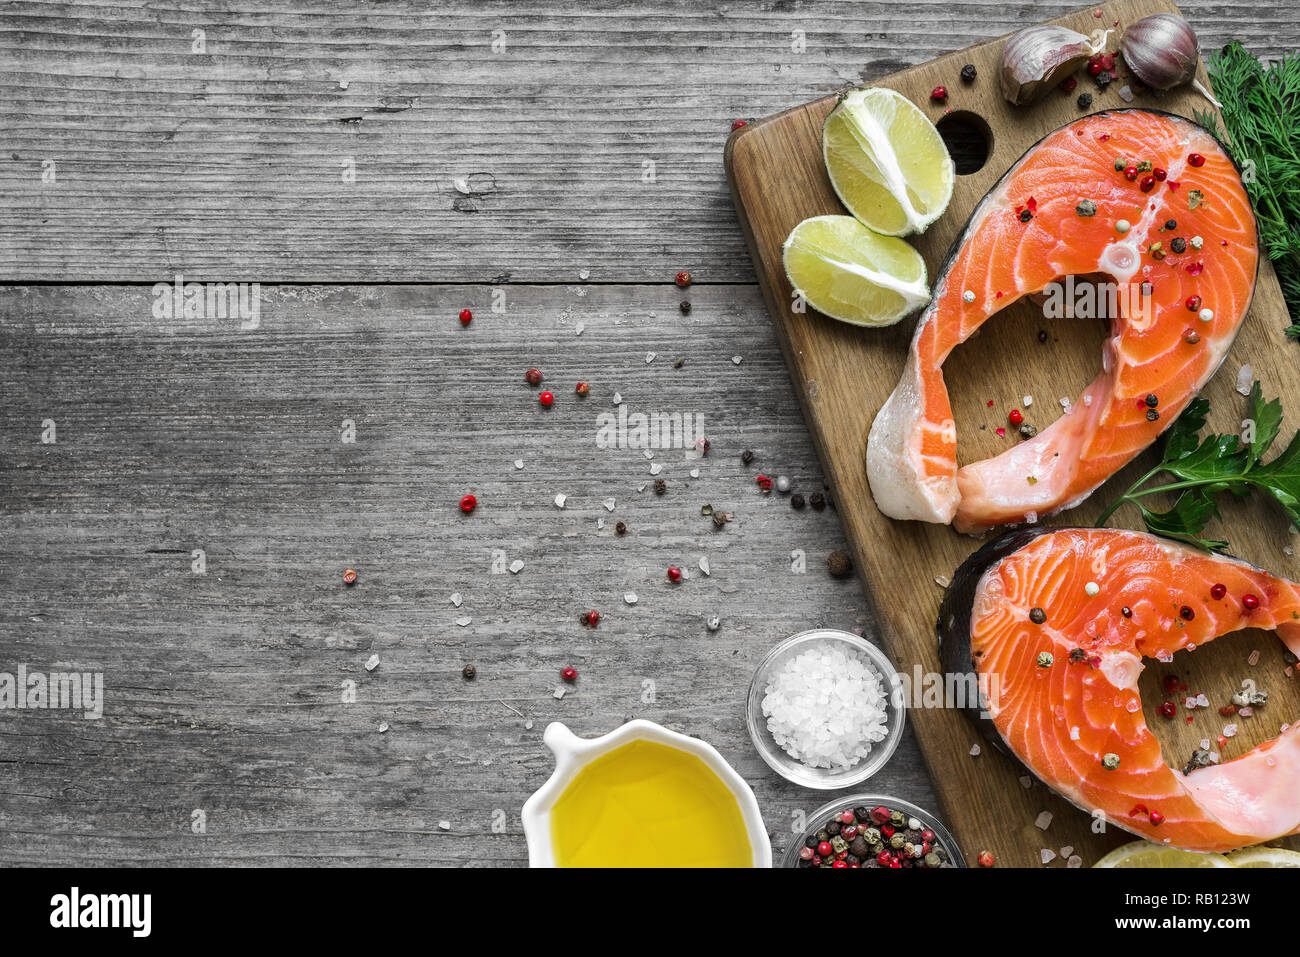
(1062,693)
(1059,212)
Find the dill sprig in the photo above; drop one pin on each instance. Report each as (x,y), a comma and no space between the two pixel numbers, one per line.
(1261,111)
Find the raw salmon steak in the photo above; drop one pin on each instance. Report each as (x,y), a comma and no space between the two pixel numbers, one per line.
(1058,669)
(1179,294)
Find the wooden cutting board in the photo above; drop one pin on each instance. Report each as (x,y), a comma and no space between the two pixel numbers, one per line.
(843,374)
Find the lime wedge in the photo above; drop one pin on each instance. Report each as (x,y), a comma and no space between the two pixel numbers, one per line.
(848,272)
(887,162)
(1146,854)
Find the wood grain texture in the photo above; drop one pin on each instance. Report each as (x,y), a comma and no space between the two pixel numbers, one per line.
(843,374)
(223,690)
(227,164)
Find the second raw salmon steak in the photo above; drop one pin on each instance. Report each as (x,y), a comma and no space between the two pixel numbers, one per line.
(1144,201)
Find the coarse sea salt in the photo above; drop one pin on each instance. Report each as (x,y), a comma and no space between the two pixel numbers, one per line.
(825,706)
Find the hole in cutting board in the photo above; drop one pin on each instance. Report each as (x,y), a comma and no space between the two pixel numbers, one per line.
(969,140)
(1005,361)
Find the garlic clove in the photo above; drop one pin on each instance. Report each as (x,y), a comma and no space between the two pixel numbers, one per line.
(1036,58)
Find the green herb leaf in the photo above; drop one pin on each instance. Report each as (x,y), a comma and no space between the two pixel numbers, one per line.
(1267,417)
(1186,520)
(1182,438)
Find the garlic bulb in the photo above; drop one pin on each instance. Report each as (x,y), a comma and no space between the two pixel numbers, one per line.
(1037,57)
(1162,51)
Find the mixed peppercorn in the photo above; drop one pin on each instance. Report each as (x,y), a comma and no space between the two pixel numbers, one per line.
(873,837)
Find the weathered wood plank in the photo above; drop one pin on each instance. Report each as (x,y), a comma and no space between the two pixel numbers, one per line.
(229,163)
(224,689)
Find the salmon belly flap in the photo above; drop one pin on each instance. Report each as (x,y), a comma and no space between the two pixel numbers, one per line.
(1065,210)
(1061,669)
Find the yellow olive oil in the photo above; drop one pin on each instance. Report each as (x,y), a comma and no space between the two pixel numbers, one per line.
(646,804)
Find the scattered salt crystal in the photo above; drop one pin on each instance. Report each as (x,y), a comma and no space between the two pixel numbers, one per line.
(578,329)
(444,825)
(1133,707)
(736,359)
(1214,757)
(462,184)
(1074,861)
(695,473)
(1047,855)
(630,597)
(560,500)
(1027,401)
(1043,821)
(656,468)
(1246,712)
(1245,376)
(519,463)
(650,357)
(383,727)
(1202,701)
(516,566)
(372,663)
(618,398)
(641,487)
(584,274)
(1126,93)
(1026,781)
(713,623)
(825,706)
(558,693)
(1067,850)
(648,454)
(456,598)
(1087,400)
(974,750)
(1031,517)
(464,620)
(600,523)
(1254,658)
(528,724)
(1285,728)
(609,504)
(1065,405)
(1205,744)
(942,581)
(1074,733)
(1229,730)
(704,564)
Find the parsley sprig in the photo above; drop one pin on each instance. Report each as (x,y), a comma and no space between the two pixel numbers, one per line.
(1206,466)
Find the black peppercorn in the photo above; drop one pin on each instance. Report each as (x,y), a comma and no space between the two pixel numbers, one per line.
(1104,78)
(1171,224)
(747,456)
(1152,415)
(1178,244)
(858,847)
(620,528)
(796,501)
(469,672)
(660,486)
(1126,611)
(1152,400)
(817,500)
(1026,215)
(1042,335)
(862,813)
(811,841)
(968,73)
(833,828)
(839,564)
(1037,616)
(1085,100)
(685,307)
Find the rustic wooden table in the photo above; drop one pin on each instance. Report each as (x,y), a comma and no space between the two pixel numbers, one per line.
(181,492)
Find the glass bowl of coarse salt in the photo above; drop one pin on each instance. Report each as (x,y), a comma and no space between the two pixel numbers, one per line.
(826,709)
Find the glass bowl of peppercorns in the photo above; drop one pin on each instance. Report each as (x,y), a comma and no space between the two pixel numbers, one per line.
(873,830)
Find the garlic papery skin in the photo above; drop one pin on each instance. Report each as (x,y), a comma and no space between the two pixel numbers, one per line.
(1162,51)
(1036,58)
